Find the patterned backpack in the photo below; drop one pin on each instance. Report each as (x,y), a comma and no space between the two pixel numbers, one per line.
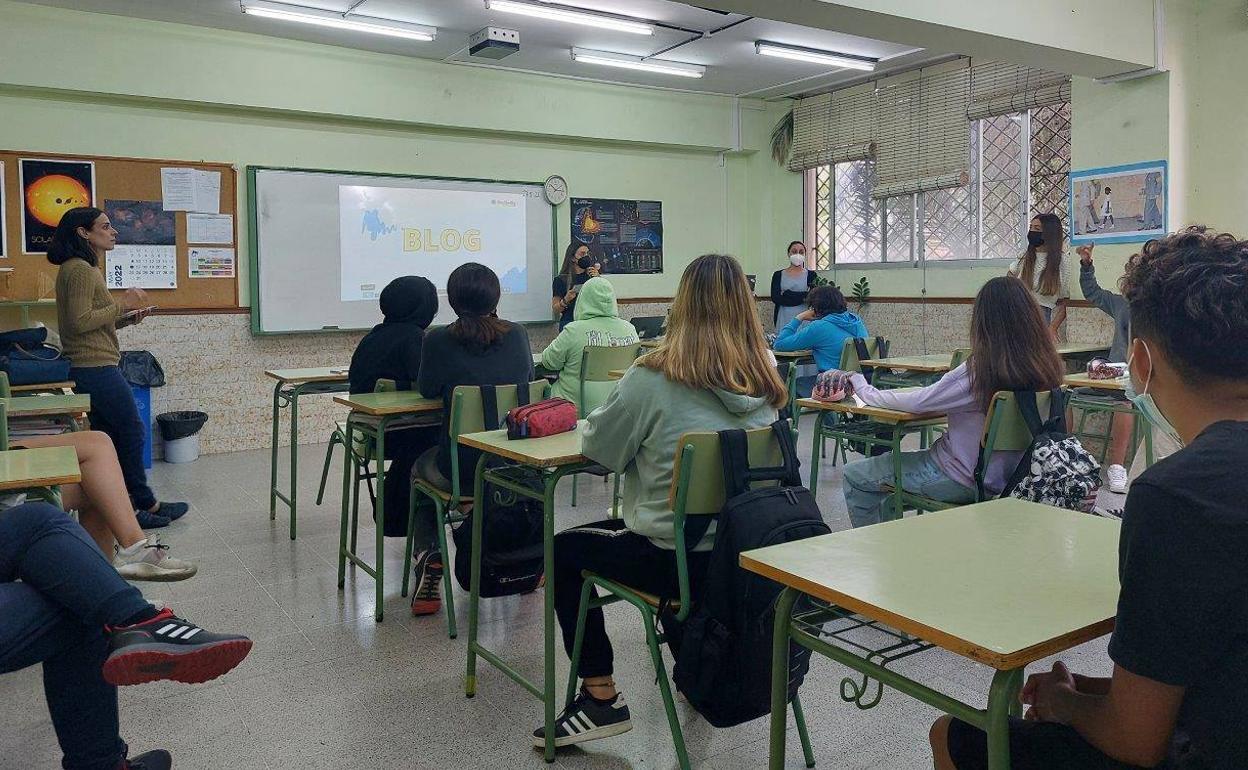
(1055,470)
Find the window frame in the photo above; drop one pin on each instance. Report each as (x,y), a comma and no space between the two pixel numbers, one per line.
(918,242)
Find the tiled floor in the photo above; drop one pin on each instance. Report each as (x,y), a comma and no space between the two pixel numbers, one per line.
(328,687)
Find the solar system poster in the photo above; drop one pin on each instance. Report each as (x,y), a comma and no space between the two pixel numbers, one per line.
(625,236)
(49,189)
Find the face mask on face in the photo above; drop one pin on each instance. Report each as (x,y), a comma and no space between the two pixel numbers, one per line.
(585,262)
(797,260)
(1035,239)
(1145,404)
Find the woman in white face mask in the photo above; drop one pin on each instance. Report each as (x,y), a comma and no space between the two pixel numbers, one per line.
(790,285)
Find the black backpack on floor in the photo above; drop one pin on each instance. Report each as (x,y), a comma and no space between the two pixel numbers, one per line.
(511,536)
(723,649)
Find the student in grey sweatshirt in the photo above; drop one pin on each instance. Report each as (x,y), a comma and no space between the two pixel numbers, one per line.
(1115,305)
(712,373)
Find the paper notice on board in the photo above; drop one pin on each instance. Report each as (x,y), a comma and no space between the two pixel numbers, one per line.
(209,228)
(143,267)
(190,189)
(210,263)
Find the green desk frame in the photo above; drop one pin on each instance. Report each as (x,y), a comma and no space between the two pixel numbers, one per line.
(538,484)
(286,395)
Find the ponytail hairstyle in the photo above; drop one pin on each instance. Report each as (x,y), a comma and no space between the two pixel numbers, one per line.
(473,291)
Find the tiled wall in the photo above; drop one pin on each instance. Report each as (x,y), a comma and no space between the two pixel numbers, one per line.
(213,363)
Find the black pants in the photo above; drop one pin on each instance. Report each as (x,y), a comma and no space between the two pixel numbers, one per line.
(611,550)
(113,412)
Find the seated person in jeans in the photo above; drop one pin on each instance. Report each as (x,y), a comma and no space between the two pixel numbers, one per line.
(1179,690)
(712,373)
(1013,350)
(479,348)
(1114,305)
(104,508)
(63,605)
(822,329)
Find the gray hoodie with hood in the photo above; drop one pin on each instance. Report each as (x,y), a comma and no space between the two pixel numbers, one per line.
(636,433)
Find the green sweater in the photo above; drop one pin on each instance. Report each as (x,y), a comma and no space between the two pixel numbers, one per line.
(86,315)
(597,324)
(636,433)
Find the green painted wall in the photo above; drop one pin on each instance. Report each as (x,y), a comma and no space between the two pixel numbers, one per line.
(146,89)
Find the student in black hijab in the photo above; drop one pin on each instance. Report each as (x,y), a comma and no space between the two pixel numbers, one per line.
(392,351)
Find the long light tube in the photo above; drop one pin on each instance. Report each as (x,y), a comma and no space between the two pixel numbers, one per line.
(554,12)
(814,56)
(319,18)
(624,61)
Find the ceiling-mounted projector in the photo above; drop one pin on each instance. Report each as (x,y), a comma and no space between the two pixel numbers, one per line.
(494,43)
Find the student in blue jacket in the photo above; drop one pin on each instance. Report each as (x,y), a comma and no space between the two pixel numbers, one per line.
(830,324)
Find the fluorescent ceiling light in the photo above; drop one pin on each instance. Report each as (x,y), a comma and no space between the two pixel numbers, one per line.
(815,56)
(319,18)
(659,66)
(553,12)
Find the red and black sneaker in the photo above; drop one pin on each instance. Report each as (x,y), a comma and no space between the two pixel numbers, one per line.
(168,647)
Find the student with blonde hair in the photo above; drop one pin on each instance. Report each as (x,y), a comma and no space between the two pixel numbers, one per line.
(712,373)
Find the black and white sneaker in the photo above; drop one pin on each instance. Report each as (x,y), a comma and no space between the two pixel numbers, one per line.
(587,719)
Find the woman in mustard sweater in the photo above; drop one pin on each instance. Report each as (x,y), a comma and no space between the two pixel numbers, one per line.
(88,318)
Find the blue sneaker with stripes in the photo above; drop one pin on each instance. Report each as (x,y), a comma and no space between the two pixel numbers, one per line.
(587,719)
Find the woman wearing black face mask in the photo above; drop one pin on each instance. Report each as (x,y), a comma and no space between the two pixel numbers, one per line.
(578,267)
(1043,270)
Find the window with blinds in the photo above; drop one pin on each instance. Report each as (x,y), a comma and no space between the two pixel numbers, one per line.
(1016,167)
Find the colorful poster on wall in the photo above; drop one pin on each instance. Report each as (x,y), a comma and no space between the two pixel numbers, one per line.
(4,235)
(142,223)
(49,189)
(626,236)
(1119,204)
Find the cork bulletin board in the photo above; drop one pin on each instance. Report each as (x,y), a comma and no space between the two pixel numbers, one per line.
(131,190)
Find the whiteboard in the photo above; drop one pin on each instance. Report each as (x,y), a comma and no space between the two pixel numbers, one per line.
(307,250)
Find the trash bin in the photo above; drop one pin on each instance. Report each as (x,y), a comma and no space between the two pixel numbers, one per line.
(180,430)
(141,369)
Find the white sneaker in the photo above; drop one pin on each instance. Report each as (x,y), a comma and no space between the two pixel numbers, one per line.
(1117,479)
(147,560)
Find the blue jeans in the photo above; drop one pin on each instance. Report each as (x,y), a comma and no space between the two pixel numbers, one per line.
(919,474)
(56,616)
(113,412)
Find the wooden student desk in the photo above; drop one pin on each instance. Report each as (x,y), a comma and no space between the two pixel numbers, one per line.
(372,414)
(291,384)
(1004,583)
(549,459)
(43,467)
(932,363)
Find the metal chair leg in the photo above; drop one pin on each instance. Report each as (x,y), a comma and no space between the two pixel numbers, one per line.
(329,456)
(800,718)
(665,687)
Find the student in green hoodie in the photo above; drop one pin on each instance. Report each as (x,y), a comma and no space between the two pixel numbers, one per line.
(597,323)
(712,373)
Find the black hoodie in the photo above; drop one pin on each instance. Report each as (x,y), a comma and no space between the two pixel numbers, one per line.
(392,349)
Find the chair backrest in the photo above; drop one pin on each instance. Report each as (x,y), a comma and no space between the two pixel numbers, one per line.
(598,361)
(849,354)
(959,357)
(385,386)
(5,392)
(4,422)
(648,326)
(468,412)
(1005,430)
(698,476)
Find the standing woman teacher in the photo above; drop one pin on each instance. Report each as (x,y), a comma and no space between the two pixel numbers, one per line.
(1042,268)
(88,318)
(790,286)
(578,267)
